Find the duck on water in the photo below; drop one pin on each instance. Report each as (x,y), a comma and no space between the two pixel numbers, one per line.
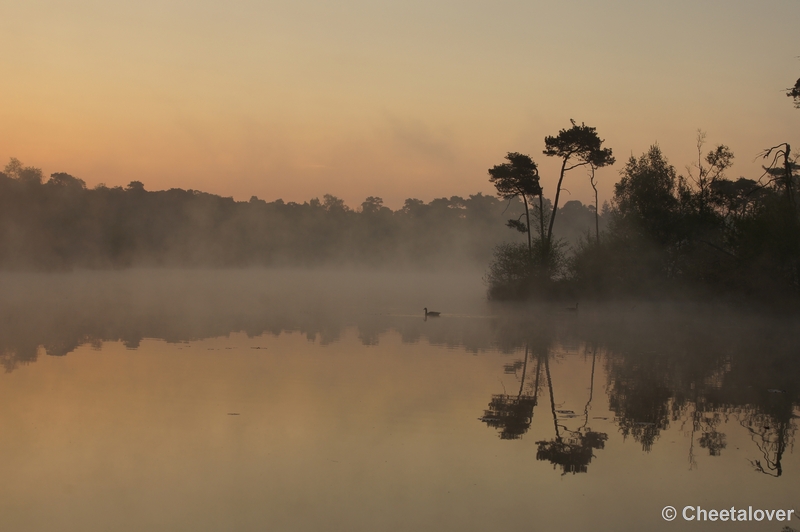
(432,314)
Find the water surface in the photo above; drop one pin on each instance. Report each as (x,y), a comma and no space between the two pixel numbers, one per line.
(255,400)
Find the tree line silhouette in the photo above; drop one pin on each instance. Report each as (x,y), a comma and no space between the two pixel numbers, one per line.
(702,233)
(59,223)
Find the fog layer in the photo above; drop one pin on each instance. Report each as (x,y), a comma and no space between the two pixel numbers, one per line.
(60,224)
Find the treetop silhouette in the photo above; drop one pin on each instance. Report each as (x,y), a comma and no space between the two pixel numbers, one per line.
(577,146)
(518,178)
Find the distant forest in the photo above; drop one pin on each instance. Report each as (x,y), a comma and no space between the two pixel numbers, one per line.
(60,224)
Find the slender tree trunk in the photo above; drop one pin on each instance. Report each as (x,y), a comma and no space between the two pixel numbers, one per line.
(787,169)
(528,222)
(541,218)
(591,390)
(555,203)
(781,448)
(695,424)
(524,369)
(596,209)
(552,399)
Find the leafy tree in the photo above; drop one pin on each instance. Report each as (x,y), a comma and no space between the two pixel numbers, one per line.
(646,229)
(61,179)
(24,174)
(332,204)
(519,178)
(737,200)
(703,176)
(373,205)
(576,146)
(135,187)
(645,197)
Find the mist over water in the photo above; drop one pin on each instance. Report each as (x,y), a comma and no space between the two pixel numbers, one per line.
(325,399)
(61,311)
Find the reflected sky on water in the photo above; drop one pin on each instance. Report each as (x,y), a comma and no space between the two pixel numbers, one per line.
(325,401)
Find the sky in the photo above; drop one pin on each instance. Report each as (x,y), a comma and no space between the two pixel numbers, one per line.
(294,99)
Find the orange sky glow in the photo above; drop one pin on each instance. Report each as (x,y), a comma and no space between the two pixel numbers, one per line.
(296,99)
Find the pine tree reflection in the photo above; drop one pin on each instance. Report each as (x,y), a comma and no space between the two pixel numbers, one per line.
(572,450)
(512,415)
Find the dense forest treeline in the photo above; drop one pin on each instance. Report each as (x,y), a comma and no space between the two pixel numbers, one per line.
(59,223)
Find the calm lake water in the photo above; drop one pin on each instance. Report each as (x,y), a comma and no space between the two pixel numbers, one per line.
(324,401)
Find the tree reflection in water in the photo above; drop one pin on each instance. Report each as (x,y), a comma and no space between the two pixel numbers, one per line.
(772,433)
(573,450)
(512,414)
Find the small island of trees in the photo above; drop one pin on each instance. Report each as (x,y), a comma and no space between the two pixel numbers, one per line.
(702,234)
